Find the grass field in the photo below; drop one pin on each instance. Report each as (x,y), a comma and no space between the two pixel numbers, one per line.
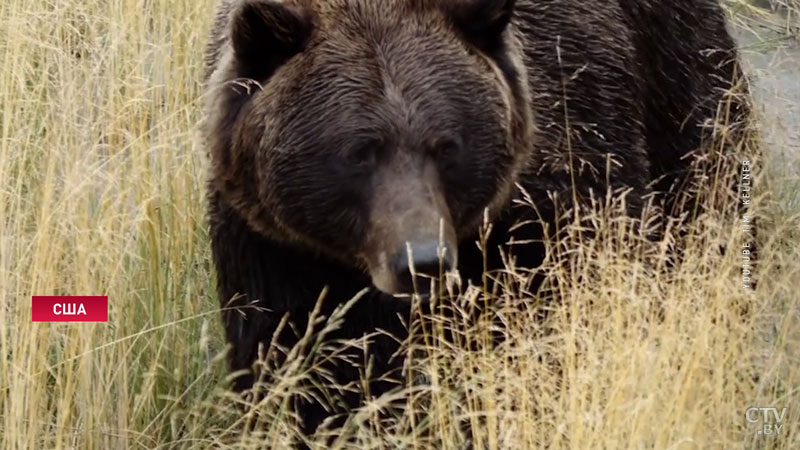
(102,193)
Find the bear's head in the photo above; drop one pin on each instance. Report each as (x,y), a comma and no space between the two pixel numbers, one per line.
(376,132)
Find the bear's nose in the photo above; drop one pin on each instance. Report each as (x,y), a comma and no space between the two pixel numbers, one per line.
(427,266)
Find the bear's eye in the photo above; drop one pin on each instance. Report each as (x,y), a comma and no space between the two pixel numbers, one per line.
(444,149)
(363,156)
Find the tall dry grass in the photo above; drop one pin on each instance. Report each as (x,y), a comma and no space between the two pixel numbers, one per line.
(101,193)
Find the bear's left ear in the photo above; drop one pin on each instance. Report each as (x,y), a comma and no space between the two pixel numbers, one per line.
(266,33)
(482,22)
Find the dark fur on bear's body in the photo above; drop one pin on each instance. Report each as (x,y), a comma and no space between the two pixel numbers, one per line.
(586,96)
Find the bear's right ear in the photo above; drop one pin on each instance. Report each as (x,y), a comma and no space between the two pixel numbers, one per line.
(266,33)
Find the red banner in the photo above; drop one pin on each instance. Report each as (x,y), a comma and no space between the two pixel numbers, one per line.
(70,309)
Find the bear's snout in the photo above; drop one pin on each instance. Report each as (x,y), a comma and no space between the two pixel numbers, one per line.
(411,238)
(416,266)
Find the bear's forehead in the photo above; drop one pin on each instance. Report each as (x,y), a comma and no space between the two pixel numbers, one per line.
(372,66)
(386,85)
(348,99)
(399,46)
(402,40)
(387,9)
(378,18)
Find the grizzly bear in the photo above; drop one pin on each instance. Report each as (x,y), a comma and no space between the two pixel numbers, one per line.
(360,144)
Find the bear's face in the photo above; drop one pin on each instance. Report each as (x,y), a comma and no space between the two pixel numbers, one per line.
(366,129)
